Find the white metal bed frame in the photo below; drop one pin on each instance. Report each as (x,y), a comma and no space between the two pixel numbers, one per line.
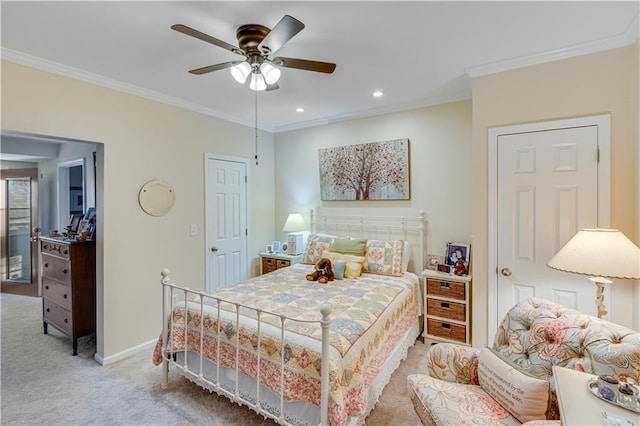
(354,226)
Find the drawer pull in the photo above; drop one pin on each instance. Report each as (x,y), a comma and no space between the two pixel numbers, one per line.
(445,325)
(65,270)
(46,287)
(66,321)
(444,284)
(46,265)
(65,295)
(66,252)
(45,247)
(444,305)
(48,310)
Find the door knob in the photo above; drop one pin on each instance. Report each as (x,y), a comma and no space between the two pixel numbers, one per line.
(214,249)
(506,272)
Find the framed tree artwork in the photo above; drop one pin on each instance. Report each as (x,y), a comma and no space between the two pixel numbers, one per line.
(369,171)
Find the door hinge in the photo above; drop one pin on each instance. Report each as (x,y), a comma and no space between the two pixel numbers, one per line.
(246,232)
(598,155)
(245,178)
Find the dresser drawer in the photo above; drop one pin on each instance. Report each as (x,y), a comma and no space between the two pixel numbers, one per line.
(282,263)
(56,268)
(58,316)
(447,330)
(57,292)
(450,289)
(268,265)
(58,249)
(446,310)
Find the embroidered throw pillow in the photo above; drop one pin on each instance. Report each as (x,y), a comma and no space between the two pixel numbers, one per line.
(523,396)
(316,245)
(384,257)
(353,267)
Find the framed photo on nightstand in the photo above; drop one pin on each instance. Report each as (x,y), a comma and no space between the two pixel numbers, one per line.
(276,246)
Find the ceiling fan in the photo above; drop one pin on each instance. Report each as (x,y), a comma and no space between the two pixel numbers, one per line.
(257,43)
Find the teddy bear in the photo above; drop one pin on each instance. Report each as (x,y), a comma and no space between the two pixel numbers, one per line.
(461,268)
(323,272)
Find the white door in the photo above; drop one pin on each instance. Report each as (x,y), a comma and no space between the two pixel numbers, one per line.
(226,221)
(547,189)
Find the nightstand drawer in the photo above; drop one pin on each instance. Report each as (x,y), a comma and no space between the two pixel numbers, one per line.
(56,268)
(57,292)
(283,263)
(447,330)
(58,316)
(269,265)
(446,310)
(443,288)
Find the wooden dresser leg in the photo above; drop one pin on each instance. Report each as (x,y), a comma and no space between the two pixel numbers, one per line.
(75,346)
(45,325)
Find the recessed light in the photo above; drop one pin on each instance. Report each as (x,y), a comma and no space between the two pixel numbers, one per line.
(299,109)
(378,93)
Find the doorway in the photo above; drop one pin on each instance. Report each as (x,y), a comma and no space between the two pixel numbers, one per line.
(546,182)
(19,236)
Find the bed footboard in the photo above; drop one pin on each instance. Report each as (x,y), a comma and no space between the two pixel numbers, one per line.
(196,374)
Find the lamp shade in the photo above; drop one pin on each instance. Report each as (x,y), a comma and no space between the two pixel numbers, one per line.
(294,223)
(271,73)
(241,71)
(257,82)
(606,253)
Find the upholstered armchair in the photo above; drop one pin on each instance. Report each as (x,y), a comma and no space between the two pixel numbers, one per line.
(470,386)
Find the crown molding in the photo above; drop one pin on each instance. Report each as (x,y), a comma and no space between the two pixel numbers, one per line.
(96,79)
(630,36)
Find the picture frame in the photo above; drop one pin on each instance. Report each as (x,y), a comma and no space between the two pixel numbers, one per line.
(269,248)
(276,246)
(433,260)
(84,225)
(74,221)
(90,215)
(457,251)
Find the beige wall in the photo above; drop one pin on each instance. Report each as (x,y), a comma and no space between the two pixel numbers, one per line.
(600,83)
(440,169)
(139,140)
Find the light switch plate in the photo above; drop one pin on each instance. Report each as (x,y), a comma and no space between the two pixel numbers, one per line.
(193,229)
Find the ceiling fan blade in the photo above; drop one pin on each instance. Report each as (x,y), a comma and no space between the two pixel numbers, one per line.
(284,31)
(206,37)
(305,64)
(216,67)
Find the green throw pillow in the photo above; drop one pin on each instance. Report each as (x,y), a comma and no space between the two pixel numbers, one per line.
(354,247)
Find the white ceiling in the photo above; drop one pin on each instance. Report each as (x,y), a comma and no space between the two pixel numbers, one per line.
(418,53)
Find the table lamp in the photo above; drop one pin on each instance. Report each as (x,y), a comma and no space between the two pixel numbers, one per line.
(602,254)
(296,239)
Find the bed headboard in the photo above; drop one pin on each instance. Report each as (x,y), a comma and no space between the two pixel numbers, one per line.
(408,228)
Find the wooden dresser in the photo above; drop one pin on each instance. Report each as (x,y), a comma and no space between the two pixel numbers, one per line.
(447,304)
(69,287)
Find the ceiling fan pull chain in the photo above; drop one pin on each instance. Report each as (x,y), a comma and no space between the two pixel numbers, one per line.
(256,127)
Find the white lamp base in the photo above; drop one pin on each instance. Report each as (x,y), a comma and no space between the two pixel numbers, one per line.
(600,282)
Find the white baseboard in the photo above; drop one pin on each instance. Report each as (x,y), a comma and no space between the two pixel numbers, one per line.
(126,353)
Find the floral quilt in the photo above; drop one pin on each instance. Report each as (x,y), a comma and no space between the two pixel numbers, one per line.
(370,315)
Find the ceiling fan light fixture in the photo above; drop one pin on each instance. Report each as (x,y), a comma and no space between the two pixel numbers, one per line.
(241,71)
(257,82)
(271,73)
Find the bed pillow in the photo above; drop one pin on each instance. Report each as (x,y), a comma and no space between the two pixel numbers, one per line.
(348,246)
(523,396)
(338,269)
(316,245)
(353,264)
(384,257)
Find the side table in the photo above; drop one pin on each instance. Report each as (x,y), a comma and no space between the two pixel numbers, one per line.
(577,406)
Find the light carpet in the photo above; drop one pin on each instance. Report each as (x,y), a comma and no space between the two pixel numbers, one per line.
(42,383)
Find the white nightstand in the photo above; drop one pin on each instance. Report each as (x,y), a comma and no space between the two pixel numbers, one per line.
(272,261)
(447,306)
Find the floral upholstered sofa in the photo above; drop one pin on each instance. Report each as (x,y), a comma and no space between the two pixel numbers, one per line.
(511,383)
